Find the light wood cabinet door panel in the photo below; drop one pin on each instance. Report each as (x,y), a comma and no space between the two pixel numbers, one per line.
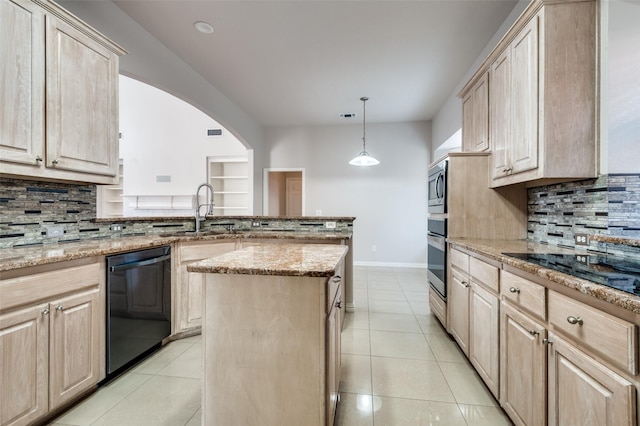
(524,84)
(500,112)
(22,85)
(24,365)
(458,305)
(523,367)
(74,345)
(584,392)
(81,98)
(484,334)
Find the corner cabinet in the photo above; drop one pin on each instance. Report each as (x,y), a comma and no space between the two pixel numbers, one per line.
(543,89)
(52,337)
(59,119)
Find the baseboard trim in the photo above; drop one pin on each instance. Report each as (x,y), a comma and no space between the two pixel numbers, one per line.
(391,264)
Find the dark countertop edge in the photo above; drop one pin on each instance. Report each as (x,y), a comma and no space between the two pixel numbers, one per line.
(611,295)
(132,243)
(172,218)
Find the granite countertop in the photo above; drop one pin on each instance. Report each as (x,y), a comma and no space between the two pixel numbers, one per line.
(494,249)
(22,257)
(166,218)
(300,260)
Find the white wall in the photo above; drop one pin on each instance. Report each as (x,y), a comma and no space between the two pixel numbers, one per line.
(621,104)
(163,135)
(388,200)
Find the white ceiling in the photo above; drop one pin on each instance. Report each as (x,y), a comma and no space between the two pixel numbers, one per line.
(305,62)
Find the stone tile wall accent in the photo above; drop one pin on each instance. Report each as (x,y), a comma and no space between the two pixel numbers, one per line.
(608,205)
(27,208)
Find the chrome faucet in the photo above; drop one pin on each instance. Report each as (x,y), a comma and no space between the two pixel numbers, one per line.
(198,205)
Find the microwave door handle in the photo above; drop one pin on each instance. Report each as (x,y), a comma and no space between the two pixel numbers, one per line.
(440,185)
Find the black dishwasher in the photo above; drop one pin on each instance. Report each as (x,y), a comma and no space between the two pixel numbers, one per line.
(138,305)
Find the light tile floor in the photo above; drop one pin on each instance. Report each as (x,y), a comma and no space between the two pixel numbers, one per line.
(399,367)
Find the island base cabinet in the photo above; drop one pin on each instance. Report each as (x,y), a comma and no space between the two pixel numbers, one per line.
(523,367)
(265,354)
(24,365)
(584,392)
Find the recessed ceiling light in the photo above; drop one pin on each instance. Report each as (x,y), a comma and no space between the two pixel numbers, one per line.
(203,27)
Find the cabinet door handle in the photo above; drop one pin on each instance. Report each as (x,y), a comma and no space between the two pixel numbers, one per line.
(574,320)
(464,283)
(514,290)
(339,304)
(59,308)
(45,311)
(546,342)
(534,332)
(39,159)
(336,278)
(54,162)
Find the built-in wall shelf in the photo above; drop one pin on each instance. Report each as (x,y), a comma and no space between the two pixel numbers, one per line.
(160,202)
(232,181)
(109,197)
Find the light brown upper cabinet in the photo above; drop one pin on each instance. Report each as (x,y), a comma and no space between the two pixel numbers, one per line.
(475,117)
(59,119)
(542,96)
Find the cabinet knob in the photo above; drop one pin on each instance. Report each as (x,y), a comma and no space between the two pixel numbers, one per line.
(59,308)
(39,159)
(514,290)
(574,320)
(45,311)
(339,304)
(54,162)
(534,332)
(546,342)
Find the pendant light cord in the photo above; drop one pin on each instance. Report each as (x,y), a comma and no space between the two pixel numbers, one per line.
(364,100)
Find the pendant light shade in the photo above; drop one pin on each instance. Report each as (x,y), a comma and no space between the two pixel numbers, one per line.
(364,159)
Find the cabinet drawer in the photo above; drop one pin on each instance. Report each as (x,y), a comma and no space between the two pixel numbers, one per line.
(612,337)
(523,293)
(459,260)
(484,274)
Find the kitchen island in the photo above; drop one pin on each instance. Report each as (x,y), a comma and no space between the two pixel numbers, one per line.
(271,334)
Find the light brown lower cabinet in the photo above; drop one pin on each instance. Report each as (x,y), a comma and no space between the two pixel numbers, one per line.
(189,291)
(523,367)
(52,350)
(458,304)
(484,336)
(583,391)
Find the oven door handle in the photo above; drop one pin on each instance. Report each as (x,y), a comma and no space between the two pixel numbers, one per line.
(139,263)
(436,240)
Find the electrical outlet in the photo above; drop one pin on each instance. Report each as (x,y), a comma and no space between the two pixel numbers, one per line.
(581,239)
(255,224)
(582,258)
(55,231)
(116,228)
(330,225)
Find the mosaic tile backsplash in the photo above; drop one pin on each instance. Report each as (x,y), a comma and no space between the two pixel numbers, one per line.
(28,209)
(608,205)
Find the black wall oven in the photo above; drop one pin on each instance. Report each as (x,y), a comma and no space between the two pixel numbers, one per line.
(437,255)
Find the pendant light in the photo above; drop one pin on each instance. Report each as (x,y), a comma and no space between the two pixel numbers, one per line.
(364,159)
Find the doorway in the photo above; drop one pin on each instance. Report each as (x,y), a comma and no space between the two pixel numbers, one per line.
(283,192)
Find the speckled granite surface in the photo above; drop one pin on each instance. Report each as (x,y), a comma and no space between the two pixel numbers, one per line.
(634,242)
(300,260)
(15,258)
(494,249)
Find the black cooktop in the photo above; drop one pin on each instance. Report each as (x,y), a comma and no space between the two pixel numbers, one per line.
(612,271)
